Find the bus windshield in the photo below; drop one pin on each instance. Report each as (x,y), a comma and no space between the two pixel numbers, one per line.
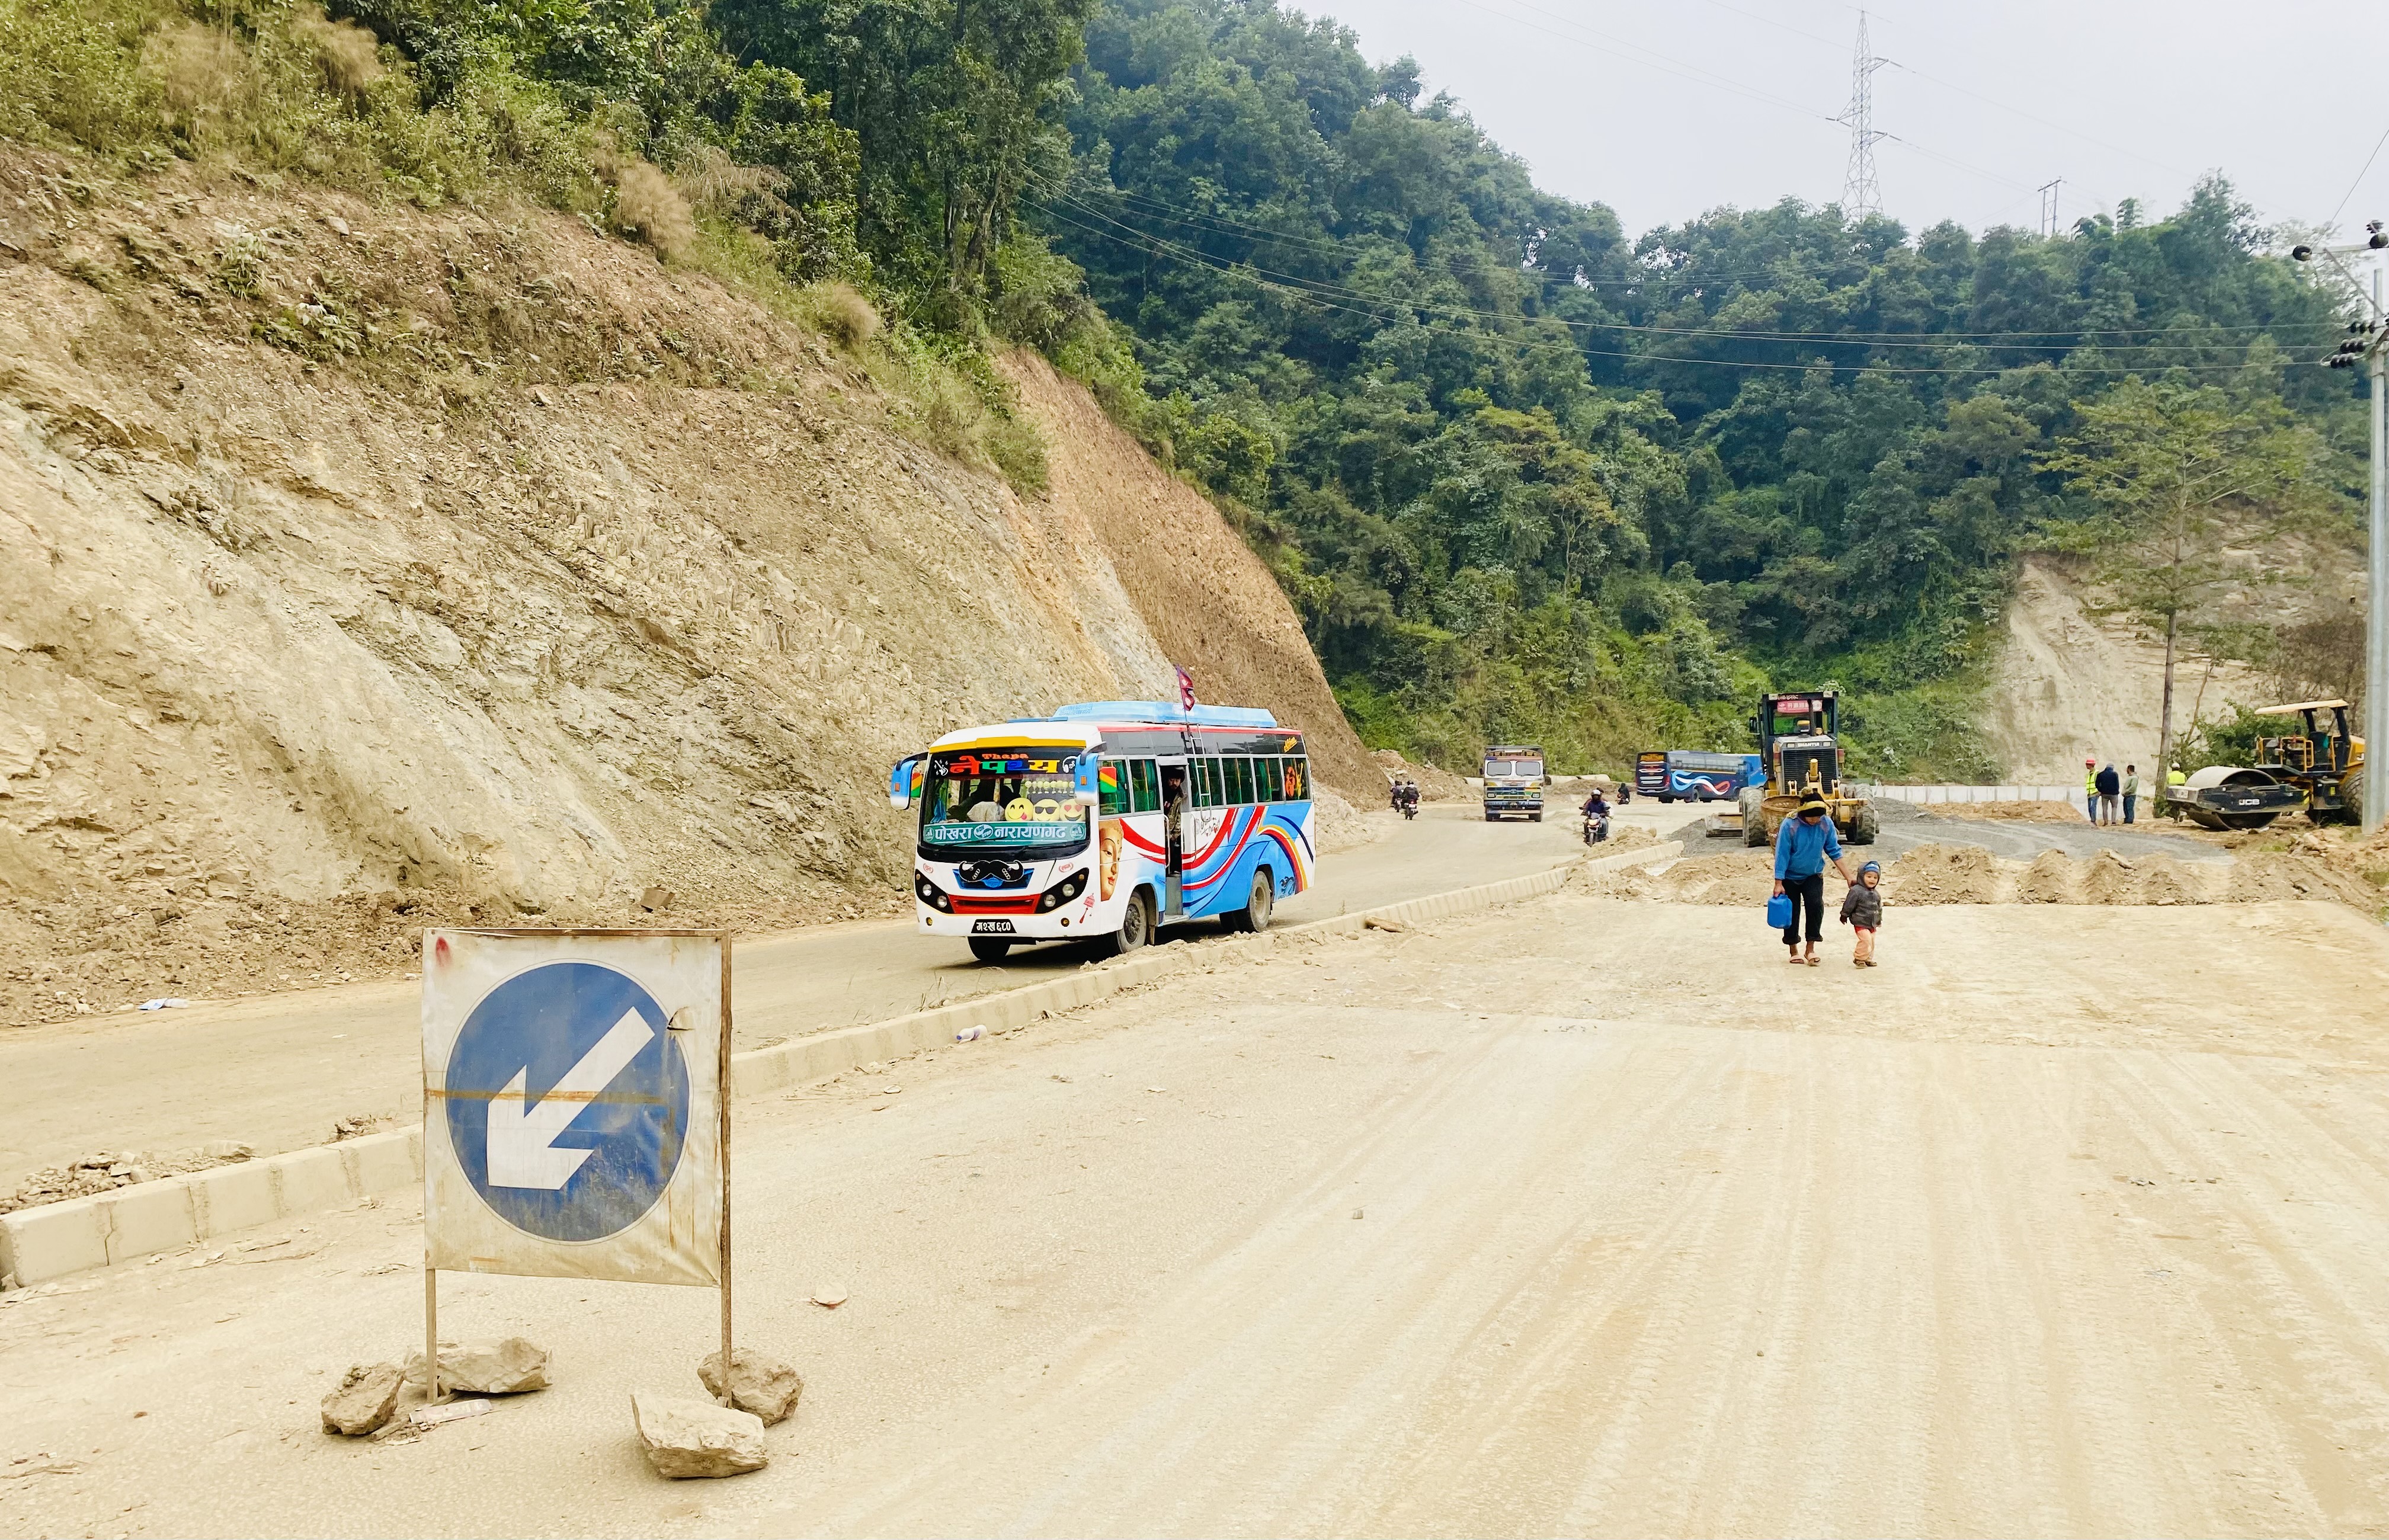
(1018,800)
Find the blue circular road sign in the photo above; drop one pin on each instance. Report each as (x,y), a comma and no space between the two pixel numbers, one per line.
(568,1101)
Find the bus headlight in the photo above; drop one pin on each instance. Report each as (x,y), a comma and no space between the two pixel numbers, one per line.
(1062,893)
(931,894)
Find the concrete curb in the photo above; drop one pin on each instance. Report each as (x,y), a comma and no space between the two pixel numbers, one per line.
(54,1239)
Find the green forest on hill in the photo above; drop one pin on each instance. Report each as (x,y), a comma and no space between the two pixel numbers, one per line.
(1525,477)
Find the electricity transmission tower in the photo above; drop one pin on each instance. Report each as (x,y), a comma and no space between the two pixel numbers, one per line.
(1862,195)
(2049,206)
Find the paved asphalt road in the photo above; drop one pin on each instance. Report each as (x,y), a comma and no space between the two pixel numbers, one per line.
(274,1071)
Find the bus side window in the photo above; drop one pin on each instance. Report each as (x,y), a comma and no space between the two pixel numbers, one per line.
(1198,784)
(1215,781)
(1144,785)
(1111,785)
(1273,781)
(1298,780)
(1240,779)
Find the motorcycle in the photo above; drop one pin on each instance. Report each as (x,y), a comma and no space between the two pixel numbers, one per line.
(1596,829)
(1409,808)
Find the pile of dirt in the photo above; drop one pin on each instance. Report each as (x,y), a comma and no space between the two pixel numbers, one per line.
(1739,877)
(1941,873)
(1625,837)
(1336,825)
(1434,783)
(363,569)
(2048,879)
(2021,813)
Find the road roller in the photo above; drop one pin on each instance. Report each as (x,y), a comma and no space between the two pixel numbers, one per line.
(2234,796)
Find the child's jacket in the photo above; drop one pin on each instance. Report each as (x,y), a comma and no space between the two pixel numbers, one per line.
(1862,906)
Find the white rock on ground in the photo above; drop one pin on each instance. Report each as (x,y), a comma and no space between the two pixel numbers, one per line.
(759,1383)
(367,1398)
(686,1437)
(486,1365)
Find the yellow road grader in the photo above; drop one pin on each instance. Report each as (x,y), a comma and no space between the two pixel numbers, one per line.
(1800,756)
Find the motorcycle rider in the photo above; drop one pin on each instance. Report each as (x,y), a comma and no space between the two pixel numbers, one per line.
(1596,811)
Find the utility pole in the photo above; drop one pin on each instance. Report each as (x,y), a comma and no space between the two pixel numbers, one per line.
(2049,205)
(2368,344)
(1862,195)
(2376,619)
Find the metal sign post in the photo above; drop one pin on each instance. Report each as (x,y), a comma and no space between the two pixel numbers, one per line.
(576,1109)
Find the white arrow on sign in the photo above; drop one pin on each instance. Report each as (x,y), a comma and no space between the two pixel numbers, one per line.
(522,1150)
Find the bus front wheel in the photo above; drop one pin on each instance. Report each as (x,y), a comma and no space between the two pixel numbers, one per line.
(1136,926)
(1255,915)
(989,948)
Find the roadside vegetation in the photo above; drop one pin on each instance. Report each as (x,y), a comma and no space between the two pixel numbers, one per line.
(1524,476)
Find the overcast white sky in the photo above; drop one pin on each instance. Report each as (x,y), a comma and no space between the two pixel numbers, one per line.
(1664,108)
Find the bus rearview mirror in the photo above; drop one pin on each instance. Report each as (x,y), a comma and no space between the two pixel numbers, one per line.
(904,782)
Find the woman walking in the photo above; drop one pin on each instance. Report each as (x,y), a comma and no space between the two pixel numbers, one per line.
(1803,845)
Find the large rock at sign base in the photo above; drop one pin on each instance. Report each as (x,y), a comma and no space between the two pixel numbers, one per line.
(365,1400)
(686,1437)
(486,1365)
(759,1383)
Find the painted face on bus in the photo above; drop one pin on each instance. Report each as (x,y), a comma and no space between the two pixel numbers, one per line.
(1109,858)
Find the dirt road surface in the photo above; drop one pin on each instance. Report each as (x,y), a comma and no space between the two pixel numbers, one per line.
(1582,1215)
(274,1071)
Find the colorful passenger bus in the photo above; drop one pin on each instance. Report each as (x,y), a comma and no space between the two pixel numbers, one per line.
(1105,821)
(1694,776)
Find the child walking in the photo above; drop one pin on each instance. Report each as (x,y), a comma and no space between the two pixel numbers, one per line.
(1862,912)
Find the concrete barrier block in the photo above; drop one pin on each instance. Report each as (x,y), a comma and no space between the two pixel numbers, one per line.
(833,1052)
(148,1217)
(233,1198)
(381,1163)
(312,1180)
(39,1244)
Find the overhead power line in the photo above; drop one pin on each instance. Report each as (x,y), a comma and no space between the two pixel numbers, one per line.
(1373,307)
(2360,179)
(2070,336)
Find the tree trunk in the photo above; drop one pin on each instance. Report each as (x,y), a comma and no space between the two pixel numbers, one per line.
(2164,712)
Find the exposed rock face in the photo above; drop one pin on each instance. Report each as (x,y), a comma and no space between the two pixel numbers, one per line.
(686,1437)
(758,1384)
(364,1401)
(487,1366)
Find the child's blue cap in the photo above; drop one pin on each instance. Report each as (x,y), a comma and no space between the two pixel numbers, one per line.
(1871,867)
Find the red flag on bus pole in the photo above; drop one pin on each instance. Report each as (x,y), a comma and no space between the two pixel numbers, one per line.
(1185,689)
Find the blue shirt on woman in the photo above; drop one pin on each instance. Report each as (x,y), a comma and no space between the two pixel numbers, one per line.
(1802,848)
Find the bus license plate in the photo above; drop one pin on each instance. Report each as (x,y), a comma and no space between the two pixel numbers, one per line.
(990,928)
